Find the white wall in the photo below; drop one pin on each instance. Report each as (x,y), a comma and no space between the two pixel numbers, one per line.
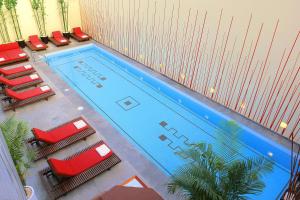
(53,20)
(146,30)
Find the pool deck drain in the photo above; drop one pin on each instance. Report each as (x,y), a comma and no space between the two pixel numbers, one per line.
(63,107)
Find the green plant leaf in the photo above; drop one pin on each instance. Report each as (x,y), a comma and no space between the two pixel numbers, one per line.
(15,133)
(209,177)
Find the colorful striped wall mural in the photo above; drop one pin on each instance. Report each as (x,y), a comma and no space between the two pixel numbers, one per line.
(237,58)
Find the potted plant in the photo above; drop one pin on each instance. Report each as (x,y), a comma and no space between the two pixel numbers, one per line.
(38,8)
(3,27)
(15,133)
(64,12)
(210,177)
(11,8)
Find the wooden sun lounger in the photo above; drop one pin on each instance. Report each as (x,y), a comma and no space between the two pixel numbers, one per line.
(79,39)
(58,44)
(11,53)
(19,74)
(33,48)
(22,86)
(43,149)
(59,186)
(26,85)
(17,104)
(19,60)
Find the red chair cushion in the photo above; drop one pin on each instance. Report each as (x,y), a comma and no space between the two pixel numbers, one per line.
(15,70)
(57,34)
(3,57)
(43,136)
(38,44)
(79,163)
(35,41)
(77,30)
(11,52)
(8,46)
(15,54)
(25,94)
(59,133)
(18,81)
(4,80)
(81,35)
(59,40)
(34,38)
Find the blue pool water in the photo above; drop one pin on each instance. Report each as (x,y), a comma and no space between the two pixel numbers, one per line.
(159,119)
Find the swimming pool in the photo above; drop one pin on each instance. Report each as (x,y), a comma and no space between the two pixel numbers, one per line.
(156,117)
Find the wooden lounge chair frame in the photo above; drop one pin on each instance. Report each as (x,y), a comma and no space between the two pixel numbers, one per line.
(16,104)
(33,48)
(19,74)
(43,149)
(59,186)
(79,39)
(57,43)
(25,58)
(22,86)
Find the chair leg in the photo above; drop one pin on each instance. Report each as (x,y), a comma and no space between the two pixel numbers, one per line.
(2,86)
(9,99)
(34,142)
(48,173)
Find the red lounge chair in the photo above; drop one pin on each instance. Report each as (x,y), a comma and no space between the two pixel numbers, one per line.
(11,53)
(81,162)
(58,39)
(35,44)
(18,99)
(62,176)
(79,35)
(48,142)
(17,71)
(20,83)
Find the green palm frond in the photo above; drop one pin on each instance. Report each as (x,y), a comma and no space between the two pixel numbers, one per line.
(209,177)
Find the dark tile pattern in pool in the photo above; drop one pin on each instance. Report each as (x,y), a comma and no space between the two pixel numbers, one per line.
(174,144)
(128,103)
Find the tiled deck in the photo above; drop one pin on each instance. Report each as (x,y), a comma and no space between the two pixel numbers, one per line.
(64,106)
